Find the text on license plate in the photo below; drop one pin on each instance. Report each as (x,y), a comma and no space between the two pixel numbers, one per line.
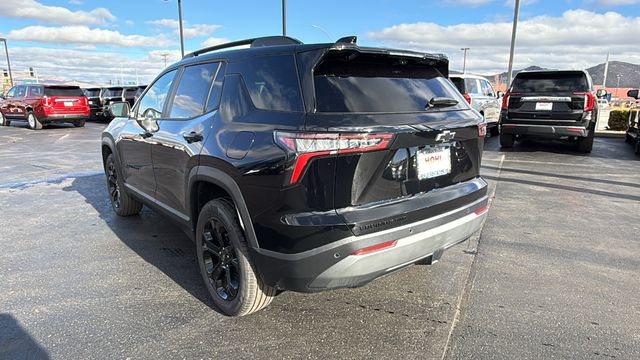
(546,106)
(68,103)
(434,162)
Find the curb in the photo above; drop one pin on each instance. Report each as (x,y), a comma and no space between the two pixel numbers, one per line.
(610,134)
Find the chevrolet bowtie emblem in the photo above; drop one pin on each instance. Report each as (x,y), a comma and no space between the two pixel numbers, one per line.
(445,136)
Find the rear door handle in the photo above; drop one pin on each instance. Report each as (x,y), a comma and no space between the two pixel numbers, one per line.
(192,137)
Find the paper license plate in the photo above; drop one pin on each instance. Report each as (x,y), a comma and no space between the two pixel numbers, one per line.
(68,103)
(90,102)
(547,106)
(434,162)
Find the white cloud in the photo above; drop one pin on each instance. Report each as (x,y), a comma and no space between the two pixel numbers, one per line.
(576,39)
(610,3)
(90,66)
(33,10)
(190,31)
(79,35)
(213,42)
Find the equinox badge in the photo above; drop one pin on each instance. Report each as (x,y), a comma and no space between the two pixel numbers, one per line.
(445,136)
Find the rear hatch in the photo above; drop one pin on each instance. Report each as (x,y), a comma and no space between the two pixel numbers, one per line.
(413,148)
(554,97)
(64,100)
(93,96)
(111,94)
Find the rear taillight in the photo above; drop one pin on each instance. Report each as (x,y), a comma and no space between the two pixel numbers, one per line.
(505,101)
(467,97)
(306,146)
(45,101)
(589,100)
(482,129)
(84,101)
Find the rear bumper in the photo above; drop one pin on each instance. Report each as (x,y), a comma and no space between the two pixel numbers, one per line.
(335,266)
(544,130)
(65,117)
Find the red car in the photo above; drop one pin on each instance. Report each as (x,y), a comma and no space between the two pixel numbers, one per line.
(43,104)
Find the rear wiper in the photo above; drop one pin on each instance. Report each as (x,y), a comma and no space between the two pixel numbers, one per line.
(441,101)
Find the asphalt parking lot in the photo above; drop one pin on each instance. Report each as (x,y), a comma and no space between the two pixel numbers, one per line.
(553,273)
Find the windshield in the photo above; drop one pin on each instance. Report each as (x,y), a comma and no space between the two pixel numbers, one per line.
(112,92)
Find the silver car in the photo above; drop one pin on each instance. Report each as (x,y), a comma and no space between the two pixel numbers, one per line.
(480,94)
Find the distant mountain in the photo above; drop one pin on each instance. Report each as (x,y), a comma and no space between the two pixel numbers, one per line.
(629,74)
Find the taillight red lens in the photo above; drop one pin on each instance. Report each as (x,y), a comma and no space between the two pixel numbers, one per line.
(505,101)
(306,146)
(482,129)
(467,97)
(45,101)
(480,210)
(378,247)
(589,100)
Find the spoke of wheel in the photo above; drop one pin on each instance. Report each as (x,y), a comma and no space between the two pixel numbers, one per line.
(217,227)
(209,245)
(215,273)
(228,287)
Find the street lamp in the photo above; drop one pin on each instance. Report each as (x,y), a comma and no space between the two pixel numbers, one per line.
(284,17)
(180,25)
(513,41)
(6,51)
(464,61)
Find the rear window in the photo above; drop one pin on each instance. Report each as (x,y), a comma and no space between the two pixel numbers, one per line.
(374,84)
(459,83)
(63,91)
(112,92)
(92,92)
(550,82)
(130,92)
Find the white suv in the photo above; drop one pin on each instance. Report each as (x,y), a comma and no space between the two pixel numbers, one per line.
(480,94)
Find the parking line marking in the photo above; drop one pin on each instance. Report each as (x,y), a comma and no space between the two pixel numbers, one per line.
(466,289)
(61,138)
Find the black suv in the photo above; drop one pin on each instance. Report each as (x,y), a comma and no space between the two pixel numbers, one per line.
(632,135)
(552,104)
(301,167)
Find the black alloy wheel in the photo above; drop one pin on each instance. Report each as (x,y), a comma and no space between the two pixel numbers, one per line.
(112,185)
(220,260)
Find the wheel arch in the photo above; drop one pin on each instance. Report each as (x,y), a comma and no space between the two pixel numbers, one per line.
(218,184)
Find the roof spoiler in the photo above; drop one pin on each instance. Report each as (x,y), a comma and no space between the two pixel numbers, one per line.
(255,42)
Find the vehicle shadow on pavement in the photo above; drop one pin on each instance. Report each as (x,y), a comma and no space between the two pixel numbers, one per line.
(607,148)
(16,343)
(154,239)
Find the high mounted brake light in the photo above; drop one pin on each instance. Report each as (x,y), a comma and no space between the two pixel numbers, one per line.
(306,146)
(589,100)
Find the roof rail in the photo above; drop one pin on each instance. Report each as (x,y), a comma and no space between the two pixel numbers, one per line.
(255,42)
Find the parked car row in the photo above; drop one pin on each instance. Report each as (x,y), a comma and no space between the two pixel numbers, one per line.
(632,135)
(101,97)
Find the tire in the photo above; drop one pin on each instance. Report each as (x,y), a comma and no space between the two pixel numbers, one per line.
(122,203)
(79,123)
(507,140)
(34,123)
(223,258)
(4,121)
(494,131)
(585,144)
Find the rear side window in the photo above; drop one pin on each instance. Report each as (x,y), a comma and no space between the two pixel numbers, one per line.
(63,91)
(473,86)
(487,89)
(371,84)
(20,91)
(193,90)
(272,82)
(35,91)
(550,82)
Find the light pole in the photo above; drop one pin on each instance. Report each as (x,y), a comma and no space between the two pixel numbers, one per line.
(6,51)
(464,61)
(180,26)
(618,85)
(284,17)
(513,41)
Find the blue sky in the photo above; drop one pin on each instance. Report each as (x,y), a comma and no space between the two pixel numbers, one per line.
(106,40)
